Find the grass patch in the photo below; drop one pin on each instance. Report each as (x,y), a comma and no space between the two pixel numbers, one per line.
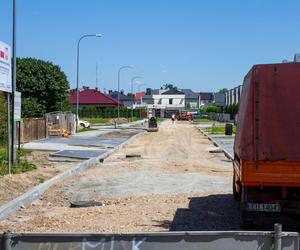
(21,165)
(219,130)
(202,120)
(106,121)
(103,121)
(85,129)
(41,179)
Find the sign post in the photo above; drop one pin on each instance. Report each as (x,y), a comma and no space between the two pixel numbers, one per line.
(17,106)
(17,116)
(6,86)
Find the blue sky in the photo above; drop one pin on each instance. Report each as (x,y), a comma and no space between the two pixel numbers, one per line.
(202,45)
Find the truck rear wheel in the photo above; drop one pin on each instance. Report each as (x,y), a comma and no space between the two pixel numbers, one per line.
(236,191)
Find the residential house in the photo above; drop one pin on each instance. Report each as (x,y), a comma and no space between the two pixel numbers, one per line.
(167,102)
(219,99)
(126,100)
(206,98)
(92,97)
(192,99)
(139,97)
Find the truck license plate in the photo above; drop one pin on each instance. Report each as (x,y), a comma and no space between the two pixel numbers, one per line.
(263,207)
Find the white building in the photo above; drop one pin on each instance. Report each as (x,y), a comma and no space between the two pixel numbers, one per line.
(166,103)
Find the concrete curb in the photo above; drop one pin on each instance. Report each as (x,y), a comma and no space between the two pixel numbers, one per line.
(226,153)
(34,193)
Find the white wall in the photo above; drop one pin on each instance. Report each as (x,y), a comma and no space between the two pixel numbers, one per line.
(178,101)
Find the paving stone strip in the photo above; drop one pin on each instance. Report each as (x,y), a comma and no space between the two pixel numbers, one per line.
(228,154)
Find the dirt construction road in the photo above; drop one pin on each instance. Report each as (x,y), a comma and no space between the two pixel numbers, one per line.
(172,183)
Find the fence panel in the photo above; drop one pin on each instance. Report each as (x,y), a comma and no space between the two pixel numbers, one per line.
(33,129)
(160,241)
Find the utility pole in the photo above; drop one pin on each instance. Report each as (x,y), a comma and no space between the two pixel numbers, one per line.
(96,75)
(14,83)
(132,95)
(77,75)
(119,72)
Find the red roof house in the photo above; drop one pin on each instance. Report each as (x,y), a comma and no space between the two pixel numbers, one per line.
(139,95)
(92,97)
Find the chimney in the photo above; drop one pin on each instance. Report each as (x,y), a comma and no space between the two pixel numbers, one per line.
(109,91)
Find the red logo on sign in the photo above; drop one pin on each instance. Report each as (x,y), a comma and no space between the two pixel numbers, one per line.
(4,54)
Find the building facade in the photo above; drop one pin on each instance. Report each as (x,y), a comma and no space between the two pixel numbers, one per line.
(206,98)
(126,100)
(233,96)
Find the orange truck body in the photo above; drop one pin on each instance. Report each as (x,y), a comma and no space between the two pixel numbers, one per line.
(266,164)
(278,173)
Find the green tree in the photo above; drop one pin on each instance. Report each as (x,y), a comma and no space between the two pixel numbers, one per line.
(223,91)
(169,86)
(44,83)
(31,107)
(232,109)
(187,106)
(130,95)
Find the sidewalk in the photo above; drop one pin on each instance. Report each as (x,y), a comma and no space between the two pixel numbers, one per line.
(86,144)
(224,142)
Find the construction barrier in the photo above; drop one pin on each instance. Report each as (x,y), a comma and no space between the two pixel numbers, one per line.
(232,240)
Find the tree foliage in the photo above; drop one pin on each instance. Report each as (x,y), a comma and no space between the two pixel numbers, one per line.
(223,91)
(32,108)
(169,86)
(211,109)
(131,95)
(232,109)
(43,85)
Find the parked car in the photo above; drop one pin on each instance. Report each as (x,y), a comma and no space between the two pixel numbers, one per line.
(84,124)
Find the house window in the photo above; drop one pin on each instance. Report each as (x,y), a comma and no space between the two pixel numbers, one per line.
(159,101)
(170,101)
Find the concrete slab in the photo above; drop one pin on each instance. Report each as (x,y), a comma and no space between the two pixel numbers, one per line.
(93,140)
(79,154)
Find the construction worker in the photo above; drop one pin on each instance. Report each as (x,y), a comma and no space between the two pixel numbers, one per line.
(173,118)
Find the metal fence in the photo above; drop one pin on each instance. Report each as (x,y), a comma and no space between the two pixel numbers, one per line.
(220,117)
(161,241)
(60,121)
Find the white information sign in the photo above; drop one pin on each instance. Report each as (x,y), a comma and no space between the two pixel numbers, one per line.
(17,111)
(5,67)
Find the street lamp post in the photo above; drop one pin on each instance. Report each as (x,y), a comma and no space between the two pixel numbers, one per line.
(77,78)
(119,71)
(132,100)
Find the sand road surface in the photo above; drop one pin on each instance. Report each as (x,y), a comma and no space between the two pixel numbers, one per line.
(161,181)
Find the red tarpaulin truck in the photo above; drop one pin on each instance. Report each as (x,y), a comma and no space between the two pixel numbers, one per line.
(266,166)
